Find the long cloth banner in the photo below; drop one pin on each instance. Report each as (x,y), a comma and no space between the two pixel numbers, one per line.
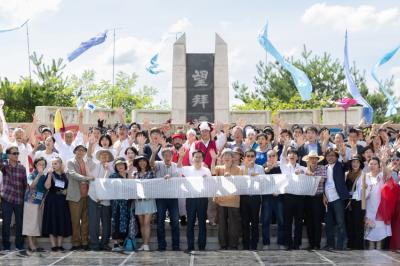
(198,187)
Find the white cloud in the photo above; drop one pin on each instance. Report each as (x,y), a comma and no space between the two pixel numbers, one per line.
(340,17)
(180,26)
(17,10)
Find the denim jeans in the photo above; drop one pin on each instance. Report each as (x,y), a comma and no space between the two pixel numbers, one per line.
(173,209)
(272,204)
(196,207)
(334,215)
(8,209)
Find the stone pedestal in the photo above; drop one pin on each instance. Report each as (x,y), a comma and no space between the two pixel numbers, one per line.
(221,81)
(179,81)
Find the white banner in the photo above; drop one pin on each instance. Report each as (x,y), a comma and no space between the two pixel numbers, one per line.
(198,187)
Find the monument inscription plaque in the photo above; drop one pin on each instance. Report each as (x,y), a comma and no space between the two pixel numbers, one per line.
(200,87)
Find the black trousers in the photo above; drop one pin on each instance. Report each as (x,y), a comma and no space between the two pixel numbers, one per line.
(250,214)
(293,206)
(314,215)
(354,216)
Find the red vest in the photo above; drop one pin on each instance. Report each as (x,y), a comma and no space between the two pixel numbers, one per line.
(199,145)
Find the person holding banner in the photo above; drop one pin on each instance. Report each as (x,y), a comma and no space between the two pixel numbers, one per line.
(272,204)
(144,208)
(314,213)
(78,177)
(166,169)
(195,206)
(293,205)
(250,204)
(228,206)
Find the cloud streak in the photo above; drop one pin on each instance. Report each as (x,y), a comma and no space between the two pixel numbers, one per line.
(340,17)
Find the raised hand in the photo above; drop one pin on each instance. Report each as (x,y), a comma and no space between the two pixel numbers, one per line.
(182,152)
(101,115)
(141,140)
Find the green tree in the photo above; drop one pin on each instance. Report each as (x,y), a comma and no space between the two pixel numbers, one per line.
(123,94)
(274,88)
(48,88)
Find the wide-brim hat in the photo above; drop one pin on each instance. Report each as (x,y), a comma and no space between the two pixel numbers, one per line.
(120,160)
(110,154)
(313,154)
(78,147)
(139,158)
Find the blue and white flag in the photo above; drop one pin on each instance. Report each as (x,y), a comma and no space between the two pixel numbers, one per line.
(153,68)
(392,110)
(96,40)
(90,106)
(368,112)
(302,82)
(15,28)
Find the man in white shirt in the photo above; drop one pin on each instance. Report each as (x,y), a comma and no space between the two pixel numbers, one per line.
(166,169)
(99,211)
(293,205)
(195,206)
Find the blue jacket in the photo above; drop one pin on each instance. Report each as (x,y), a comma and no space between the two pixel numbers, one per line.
(339,170)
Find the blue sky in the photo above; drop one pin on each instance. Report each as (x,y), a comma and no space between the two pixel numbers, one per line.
(58,26)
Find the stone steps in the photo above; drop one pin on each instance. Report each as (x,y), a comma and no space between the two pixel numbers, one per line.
(212,238)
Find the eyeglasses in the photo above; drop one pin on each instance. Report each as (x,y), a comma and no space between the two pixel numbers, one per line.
(272,155)
(250,156)
(14,153)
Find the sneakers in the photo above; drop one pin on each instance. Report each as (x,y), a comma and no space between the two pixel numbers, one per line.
(144,248)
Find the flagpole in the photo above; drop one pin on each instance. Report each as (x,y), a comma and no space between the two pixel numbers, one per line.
(29,56)
(113,71)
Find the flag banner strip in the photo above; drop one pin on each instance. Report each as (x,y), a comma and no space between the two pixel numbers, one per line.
(199,187)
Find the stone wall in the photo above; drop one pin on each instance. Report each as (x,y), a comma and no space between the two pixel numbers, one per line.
(333,116)
(300,116)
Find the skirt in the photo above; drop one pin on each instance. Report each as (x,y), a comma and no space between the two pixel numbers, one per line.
(56,216)
(145,206)
(32,221)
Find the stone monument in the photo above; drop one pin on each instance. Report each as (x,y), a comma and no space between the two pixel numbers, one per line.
(200,84)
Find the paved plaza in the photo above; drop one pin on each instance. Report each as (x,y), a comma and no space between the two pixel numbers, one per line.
(271,257)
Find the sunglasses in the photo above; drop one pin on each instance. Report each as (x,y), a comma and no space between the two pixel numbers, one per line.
(272,155)
(250,156)
(14,153)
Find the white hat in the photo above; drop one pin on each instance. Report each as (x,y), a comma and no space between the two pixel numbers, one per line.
(313,154)
(250,131)
(191,132)
(204,126)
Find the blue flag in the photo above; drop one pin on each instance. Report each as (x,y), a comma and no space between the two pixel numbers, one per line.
(153,68)
(100,38)
(368,112)
(392,110)
(302,82)
(15,28)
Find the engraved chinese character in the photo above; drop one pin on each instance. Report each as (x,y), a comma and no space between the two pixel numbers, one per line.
(200,99)
(200,78)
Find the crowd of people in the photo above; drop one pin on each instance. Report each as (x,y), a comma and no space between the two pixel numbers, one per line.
(46,185)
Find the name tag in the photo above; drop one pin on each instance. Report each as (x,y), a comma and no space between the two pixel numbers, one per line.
(39,195)
(59,183)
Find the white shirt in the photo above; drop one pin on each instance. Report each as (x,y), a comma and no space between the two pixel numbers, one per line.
(67,151)
(330,189)
(24,151)
(120,147)
(189,171)
(98,171)
(256,169)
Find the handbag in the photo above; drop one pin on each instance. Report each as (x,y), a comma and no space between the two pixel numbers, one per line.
(129,244)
